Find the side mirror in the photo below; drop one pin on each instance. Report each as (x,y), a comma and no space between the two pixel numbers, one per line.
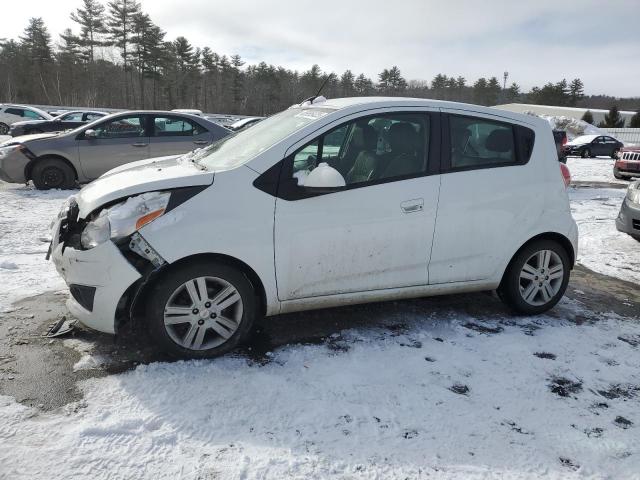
(90,133)
(324,177)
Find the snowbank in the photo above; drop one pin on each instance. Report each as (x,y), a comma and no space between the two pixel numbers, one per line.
(572,126)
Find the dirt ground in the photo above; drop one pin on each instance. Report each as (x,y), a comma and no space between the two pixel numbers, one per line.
(39,371)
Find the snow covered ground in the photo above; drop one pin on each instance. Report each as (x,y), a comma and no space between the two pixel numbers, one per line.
(450,396)
(442,395)
(25,215)
(601,247)
(598,169)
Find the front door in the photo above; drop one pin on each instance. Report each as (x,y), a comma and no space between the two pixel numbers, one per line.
(374,233)
(117,141)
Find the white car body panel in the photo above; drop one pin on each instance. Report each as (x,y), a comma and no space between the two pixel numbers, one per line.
(146,177)
(351,246)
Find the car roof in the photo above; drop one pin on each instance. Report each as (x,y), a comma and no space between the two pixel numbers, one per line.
(383,102)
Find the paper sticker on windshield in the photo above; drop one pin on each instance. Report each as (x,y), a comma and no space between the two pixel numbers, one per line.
(312,113)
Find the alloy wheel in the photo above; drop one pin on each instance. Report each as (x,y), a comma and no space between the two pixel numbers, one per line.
(541,277)
(203,313)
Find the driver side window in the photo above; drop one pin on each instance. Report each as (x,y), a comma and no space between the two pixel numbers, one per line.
(369,150)
(123,127)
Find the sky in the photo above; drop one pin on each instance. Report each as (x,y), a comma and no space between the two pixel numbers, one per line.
(535,41)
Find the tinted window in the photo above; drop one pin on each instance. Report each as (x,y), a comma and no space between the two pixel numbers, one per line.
(175,127)
(72,117)
(478,142)
(369,150)
(123,127)
(15,111)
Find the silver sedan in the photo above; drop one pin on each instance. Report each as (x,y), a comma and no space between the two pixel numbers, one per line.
(83,154)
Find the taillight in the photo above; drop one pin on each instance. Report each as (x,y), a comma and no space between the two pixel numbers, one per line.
(564,141)
(566,174)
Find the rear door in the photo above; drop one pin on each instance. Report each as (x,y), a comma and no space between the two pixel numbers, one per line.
(173,135)
(482,204)
(118,141)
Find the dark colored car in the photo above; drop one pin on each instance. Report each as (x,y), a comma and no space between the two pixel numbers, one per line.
(627,164)
(560,137)
(66,121)
(589,146)
(628,220)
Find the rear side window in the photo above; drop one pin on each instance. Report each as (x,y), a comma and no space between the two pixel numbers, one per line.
(175,127)
(482,143)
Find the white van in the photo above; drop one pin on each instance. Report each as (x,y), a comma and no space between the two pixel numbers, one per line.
(328,203)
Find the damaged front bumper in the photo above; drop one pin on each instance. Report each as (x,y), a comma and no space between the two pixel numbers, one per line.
(100,279)
(13,163)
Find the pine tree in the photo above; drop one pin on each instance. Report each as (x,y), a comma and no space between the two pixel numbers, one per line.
(588,117)
(493,91)
(480,91)
(92,27)
(613,118)
(120,24)
(347,88)
(363,85)
(576,91)
(635,120)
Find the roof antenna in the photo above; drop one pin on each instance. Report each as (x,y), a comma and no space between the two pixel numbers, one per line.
(311,99)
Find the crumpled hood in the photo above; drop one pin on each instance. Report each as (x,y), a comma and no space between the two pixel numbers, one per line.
(27,138)
(139,177)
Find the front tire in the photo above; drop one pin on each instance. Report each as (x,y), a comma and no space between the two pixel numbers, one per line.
(536,278)
(618,175)
(4,129)
(201,310)
(586,153)
(53,173)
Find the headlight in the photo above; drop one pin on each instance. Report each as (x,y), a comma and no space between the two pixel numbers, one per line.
(6,151)
(123,219)
(633,193)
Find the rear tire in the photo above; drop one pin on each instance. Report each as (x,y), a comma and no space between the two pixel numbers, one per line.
(201,310)
(536,278)
(53,173)
(4,129)
(615,153)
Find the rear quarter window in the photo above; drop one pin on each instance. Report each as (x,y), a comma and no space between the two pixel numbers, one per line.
(477,142)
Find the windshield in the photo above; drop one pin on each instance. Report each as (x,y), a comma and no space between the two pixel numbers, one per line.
(237,149)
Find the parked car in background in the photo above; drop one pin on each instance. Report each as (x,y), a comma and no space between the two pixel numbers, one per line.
(627,163)
(65,121)
(10,114)
(560,137)
(589,146)
(339,202)
(244,123)
(85,153)
(628,220)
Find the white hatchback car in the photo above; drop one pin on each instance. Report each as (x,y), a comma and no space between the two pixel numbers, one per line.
(327,203)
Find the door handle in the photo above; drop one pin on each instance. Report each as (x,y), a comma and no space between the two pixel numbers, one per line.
(200,142)
(139,144)
(410,206)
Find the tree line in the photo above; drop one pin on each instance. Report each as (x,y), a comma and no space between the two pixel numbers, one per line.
(115,56)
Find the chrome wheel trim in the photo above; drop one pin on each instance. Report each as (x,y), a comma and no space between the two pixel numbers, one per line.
(541,277)
(203,313)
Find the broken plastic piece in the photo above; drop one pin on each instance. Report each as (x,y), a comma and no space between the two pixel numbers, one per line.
(61,327)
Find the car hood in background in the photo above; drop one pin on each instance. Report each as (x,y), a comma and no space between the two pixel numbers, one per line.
(139,177)
(27,138)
